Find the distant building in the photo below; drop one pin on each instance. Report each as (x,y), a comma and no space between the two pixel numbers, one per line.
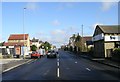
(36,42)
(18,39)
(87,43)
(106,38)
(18,44)
(79,43)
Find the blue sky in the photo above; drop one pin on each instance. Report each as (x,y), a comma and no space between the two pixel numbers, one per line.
(56,21)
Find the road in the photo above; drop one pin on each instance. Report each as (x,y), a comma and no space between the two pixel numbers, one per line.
(65,67)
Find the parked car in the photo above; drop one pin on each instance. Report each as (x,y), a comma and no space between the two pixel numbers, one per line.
(28,56)
(51,53)
(35,55)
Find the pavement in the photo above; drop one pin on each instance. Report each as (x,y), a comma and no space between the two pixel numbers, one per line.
(8,64)
(101,60)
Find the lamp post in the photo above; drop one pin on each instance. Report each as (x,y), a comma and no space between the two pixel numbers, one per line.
(24,32)
(82,39)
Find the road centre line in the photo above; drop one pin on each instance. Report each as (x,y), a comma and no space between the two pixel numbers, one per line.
(58,60)
(58,72)
(58,64)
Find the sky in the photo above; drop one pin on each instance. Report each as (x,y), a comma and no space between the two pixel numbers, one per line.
(55,22)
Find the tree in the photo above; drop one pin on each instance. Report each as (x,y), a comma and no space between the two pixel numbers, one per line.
(46,45)
(33,48)
(2,43)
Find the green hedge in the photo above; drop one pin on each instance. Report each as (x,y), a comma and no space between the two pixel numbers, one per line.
(116,52)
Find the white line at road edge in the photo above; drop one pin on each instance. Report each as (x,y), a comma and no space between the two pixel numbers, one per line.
(16,66)
(88,69)
(58,72)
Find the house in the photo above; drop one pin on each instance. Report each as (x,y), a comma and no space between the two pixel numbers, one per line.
(106,38)
(79,43)
(18,39)
(86,43)
(36,42)
(20,43)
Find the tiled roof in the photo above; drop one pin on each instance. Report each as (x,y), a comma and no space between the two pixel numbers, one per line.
(13,43)
(18,37)
(87,38)
(110,28)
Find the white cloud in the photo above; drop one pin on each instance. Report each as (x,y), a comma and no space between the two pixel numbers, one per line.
(66,5)
(31,6)
(108,4)
(58,37)
(56,23)
(58,32)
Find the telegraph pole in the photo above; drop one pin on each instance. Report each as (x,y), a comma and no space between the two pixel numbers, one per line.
(82,39)
(24,32)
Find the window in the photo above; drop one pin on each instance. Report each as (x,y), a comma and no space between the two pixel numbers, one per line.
(117,44)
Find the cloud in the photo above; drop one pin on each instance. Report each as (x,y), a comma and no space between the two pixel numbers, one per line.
(56,23)
(31,6)
(108,4)
(66,5)
(58,32)
(57,37)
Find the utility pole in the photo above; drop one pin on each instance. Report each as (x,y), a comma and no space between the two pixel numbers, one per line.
(24,32)
(82,39)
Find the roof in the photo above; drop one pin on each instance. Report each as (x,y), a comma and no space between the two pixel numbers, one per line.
(110,28)
(87,38)
(35,40)
(18,37)
(13,44)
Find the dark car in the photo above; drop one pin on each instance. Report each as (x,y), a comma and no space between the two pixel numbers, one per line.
(51,53)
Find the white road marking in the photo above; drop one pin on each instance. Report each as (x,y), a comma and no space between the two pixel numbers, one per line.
(57,60)
(88,69)
(76,62)
(58,72)
(46,72)
(15,66)
(58,64)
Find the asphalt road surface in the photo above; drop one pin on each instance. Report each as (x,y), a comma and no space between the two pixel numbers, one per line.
(65,67)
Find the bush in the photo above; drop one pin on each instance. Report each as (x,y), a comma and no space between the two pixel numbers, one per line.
(33,48)
(116,52)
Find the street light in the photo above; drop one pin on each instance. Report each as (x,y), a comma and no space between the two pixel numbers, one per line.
(23,31)
(82,39)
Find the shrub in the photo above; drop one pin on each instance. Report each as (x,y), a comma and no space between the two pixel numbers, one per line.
(33,48)
(116,52)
